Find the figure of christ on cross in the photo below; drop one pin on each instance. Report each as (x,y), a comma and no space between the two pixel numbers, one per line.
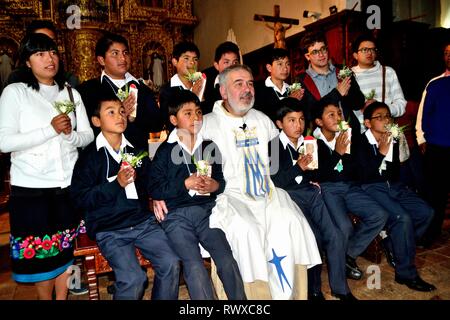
(279,30)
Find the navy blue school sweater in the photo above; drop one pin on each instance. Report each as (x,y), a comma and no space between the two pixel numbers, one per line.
(283,175)
(172,165)
(328,161)
(104,204)
(369,161)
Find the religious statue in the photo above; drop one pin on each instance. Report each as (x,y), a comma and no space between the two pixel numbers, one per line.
(279,34)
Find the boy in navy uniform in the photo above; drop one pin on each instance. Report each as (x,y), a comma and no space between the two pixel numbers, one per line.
(338,180)
(180,175)
(293,175)
(114,198)
(409,215)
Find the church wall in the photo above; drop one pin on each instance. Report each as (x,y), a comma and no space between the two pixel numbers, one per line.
(216,17)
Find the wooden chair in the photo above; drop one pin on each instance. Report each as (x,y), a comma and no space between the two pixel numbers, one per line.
(95,264)
(374,251)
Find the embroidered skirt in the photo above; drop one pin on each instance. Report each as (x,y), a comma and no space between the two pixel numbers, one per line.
(44,225)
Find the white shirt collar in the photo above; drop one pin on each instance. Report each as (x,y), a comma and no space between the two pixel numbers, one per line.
(173,137)
(101,141)
(216,81)
(285,141)
(319,135)
(128,78)
(175,81)
(270,84)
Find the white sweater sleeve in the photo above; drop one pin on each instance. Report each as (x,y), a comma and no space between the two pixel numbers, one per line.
(83,134)
(11,139)
(397,105)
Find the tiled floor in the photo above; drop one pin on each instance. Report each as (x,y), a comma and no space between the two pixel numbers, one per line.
(433,265)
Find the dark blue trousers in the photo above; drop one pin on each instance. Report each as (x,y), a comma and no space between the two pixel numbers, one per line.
(343,198)
(119,248)
(186,228)
(409,217)
(329,239)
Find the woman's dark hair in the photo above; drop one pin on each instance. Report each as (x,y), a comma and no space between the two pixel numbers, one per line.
(32,43)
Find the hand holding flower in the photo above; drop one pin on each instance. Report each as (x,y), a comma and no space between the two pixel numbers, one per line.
(194,182)
(298,94)
(342,142)
(304,160)
(61,123)
(344,86)
(209,185)
(126,175)
(197,86)
(128,104)
(384,142)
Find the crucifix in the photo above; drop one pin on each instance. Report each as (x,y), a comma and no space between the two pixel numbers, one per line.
(279,30)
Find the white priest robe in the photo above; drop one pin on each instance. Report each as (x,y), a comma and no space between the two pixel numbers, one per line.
(267,231)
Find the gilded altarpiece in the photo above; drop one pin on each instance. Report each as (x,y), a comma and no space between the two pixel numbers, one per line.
(152,27)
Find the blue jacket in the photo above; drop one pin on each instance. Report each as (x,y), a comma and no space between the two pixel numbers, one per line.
(436,112)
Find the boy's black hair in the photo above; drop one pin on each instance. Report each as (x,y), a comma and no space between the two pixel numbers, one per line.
(370,109)
(277,54)
(319,108)
(32,43)
(106,41)
(226,47)
(179,98)
(183,47)
(104,95)
(40,24)
(287,105)
(363,37)
(309,39)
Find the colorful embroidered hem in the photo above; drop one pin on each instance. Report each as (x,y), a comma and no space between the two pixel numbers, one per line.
(45,247)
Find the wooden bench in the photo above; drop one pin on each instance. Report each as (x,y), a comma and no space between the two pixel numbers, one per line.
(94,263)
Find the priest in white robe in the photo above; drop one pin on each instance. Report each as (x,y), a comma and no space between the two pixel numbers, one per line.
(270,238)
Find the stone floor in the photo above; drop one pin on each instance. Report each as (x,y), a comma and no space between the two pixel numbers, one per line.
(433,265)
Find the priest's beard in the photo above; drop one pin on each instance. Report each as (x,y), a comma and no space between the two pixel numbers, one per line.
(241,105)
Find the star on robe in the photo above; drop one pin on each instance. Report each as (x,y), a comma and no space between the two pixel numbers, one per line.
(277,262)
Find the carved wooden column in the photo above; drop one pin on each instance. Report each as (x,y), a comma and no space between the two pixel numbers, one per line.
(80,52)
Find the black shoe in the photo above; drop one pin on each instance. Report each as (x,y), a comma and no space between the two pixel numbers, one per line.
(417,284)
(351,269)
(388,253)
(345,297)
(316,296)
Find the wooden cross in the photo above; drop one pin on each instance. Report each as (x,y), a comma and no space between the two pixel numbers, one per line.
(279,30)
(276,17)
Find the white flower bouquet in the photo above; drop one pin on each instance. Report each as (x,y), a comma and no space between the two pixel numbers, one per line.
(343,125)
(294,87)
(345,72)
(129,159)
(194,76)
(370,95)
(395,130)
(64,107)
(123,94)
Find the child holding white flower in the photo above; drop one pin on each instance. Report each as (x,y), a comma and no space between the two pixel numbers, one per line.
(409,215)
(189,196)
(43,145)
(185,57)
(275,87)
(338,173)
(289,170)
(110,185)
